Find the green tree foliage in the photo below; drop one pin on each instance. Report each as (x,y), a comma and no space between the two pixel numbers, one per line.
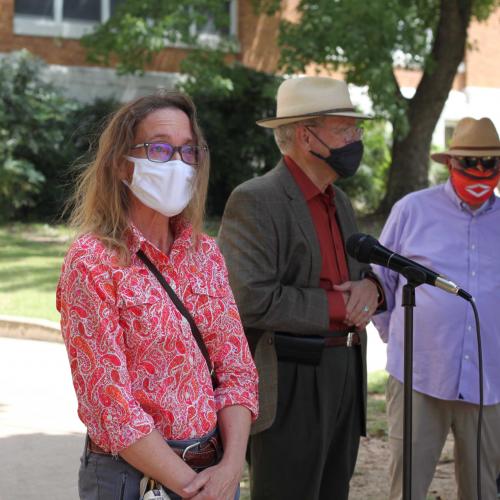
(367,40)
(32,120)
(229,100)
(361,38)
(367,187)
(80,135)
(141,28)
(41,135)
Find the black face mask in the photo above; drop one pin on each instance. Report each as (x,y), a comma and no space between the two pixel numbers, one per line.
(345,160)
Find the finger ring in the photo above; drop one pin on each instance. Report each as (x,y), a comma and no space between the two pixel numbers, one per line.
(366,309)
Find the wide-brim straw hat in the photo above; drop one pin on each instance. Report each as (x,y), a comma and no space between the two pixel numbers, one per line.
(472,138)
(310,96)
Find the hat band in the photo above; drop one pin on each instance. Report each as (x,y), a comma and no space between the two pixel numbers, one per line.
(475,148)
(313,113)
(333,110)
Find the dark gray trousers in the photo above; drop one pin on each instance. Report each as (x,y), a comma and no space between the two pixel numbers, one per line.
(104,477)
(310,450)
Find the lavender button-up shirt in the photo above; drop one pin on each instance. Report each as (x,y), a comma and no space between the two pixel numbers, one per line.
(435,228)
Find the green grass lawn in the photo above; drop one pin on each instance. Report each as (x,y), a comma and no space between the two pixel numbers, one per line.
(376,421)
(30,262)
(31,256)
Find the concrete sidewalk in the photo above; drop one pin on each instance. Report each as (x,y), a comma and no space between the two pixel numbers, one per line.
(41,437)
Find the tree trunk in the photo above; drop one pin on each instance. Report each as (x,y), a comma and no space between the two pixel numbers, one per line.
(410,154)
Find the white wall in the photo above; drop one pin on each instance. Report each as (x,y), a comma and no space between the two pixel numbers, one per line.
(87,84)
(476,102)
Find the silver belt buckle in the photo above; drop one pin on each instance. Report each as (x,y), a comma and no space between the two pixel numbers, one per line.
(350,335)
(187,448)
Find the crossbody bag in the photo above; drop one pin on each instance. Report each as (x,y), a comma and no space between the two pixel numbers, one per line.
(152,489)
(182,309)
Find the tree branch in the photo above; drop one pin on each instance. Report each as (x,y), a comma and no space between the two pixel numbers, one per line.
(447,53)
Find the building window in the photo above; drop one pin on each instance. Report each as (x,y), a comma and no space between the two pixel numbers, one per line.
(42,8)
(75,18)
(210,35)
(114,4)
(82,10)
(60,18)
(210,29)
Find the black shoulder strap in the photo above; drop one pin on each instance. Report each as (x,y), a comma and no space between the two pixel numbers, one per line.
(182,309)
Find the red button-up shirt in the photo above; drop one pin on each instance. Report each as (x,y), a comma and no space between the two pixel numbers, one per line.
(334,269)
(135,363)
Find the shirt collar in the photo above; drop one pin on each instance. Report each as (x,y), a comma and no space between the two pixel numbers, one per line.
(135,239)
(306,186)
(455,199)
(183,233)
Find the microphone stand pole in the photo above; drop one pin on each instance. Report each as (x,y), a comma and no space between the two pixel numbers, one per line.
(415,278)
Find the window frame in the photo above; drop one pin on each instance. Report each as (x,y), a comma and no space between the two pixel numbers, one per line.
(57,27)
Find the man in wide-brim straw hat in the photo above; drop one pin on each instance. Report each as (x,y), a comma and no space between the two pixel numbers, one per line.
(303,302)
(453,228)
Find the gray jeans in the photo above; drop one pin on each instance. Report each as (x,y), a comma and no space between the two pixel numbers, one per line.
(105,477)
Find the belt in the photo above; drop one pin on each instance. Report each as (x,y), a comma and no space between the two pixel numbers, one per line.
(198,455)
(349,340)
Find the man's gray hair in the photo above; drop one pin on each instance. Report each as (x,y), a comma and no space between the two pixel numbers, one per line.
(284,135)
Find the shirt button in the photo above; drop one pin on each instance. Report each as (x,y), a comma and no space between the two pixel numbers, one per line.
(469,328)
(466,357)
(473,273)
(473,247)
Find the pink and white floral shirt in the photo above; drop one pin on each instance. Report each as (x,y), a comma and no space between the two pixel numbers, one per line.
(135,363)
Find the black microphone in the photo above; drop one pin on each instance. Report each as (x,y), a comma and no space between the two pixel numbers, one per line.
(366,249)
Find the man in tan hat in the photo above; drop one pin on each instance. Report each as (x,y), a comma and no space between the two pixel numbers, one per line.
(303,302)
(453,228)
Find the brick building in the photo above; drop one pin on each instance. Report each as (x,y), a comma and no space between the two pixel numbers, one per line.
(51,30)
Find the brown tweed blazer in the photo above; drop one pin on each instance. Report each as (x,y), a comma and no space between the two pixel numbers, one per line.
(273,257)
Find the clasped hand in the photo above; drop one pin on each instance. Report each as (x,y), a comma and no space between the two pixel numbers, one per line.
(214,483)
(361,301)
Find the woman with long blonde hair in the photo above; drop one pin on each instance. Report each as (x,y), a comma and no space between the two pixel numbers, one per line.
(166,385)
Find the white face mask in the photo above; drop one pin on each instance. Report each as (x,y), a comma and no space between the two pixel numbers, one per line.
(164,187)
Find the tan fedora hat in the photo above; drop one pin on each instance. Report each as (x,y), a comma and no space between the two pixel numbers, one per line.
(308,96)
(472,138)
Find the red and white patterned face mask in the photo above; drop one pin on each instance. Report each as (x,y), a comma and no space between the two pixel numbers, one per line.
(474,189)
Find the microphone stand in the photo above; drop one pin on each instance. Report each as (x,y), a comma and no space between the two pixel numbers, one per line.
(415,278)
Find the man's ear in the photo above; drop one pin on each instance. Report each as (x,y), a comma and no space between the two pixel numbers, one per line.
(303,137)
(449,164)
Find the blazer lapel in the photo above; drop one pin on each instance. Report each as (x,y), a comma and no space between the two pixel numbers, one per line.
(302,217)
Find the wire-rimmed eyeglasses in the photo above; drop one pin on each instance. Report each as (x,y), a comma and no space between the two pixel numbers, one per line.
(161,152)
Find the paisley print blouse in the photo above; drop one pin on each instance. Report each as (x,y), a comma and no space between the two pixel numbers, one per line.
(134,361)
